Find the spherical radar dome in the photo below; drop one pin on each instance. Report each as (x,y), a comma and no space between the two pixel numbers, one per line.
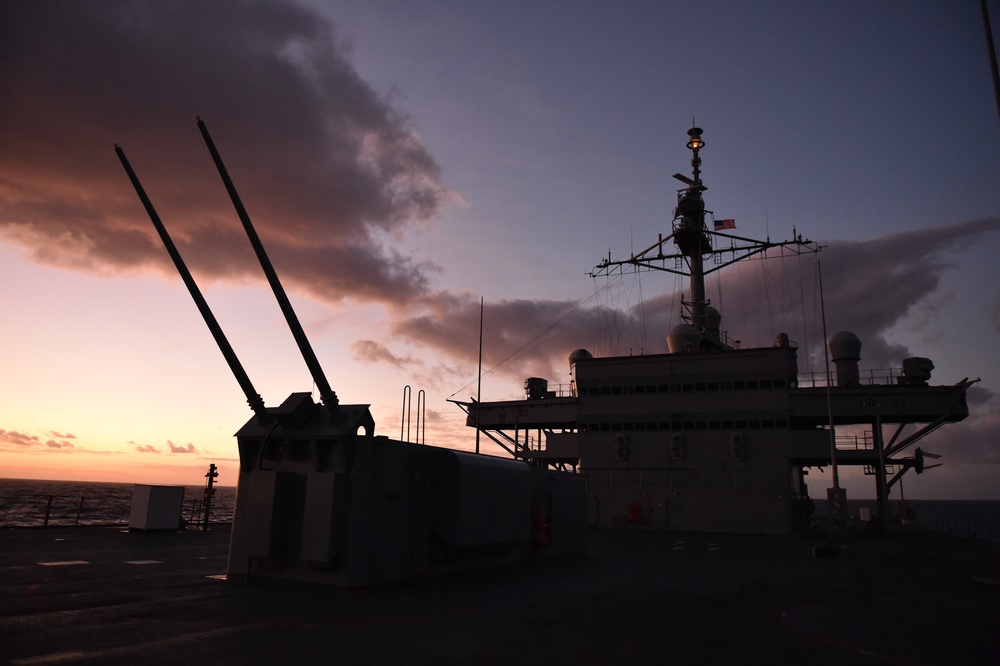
(845,345)
(579,355)
(683,338)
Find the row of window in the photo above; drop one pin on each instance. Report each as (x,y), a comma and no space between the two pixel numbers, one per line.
(738,424)
(751,385)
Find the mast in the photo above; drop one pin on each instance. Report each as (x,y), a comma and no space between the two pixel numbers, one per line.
(326,393)
(253,398)
(690,235)
(694,243)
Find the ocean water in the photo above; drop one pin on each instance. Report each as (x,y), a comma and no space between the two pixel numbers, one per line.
(25,503)
(979,519)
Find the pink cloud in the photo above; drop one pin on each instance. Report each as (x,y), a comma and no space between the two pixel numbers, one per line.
(17,440)
(188,448)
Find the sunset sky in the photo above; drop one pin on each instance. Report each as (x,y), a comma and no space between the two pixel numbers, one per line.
(403,160)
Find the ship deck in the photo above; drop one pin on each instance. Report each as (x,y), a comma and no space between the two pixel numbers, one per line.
(104,595)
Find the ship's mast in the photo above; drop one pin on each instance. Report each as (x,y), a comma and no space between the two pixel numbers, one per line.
(694,241)
(690,234)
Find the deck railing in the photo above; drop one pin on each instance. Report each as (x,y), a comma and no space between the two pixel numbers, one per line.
(871,377)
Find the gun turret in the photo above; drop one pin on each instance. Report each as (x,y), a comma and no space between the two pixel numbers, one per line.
(321,498)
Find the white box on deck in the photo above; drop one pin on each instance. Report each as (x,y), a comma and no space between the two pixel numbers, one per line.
(156,507)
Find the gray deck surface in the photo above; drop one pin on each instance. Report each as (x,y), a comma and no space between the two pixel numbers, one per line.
(103,595)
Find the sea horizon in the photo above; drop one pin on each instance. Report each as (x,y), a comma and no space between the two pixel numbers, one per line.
(818,496)
(37,502)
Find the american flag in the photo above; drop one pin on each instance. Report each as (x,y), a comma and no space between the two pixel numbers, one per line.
(725,224)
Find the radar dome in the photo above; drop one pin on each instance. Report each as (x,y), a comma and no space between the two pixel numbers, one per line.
(579,355)
(845,345)
(845,351)
(683,338)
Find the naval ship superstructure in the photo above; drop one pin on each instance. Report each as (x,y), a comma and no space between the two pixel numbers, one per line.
(709,436)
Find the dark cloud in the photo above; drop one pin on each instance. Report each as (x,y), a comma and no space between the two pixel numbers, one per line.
(145,448)
(370,351)
(872,285)
(323,162)
(520,337)
(60,444)
(869,288)
(176,448)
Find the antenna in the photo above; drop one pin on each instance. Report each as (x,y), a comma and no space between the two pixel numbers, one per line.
(694,242)
(253,398)
(327,395)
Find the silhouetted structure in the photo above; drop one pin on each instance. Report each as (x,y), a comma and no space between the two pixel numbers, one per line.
(322,498)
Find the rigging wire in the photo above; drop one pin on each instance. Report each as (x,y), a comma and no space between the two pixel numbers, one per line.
(767,294)
(541,337)
(802,307)
(717,278)
(789,308)
(673,301)
(642,313)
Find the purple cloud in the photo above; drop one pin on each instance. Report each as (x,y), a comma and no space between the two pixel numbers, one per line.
(324,162)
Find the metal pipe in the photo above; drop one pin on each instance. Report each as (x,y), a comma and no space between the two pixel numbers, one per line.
(992,52)
(422,416)
(699,317)
(881,487)
(404,421)
(253,398)
(829,397)
(479,384)
(209,492)
(327,395)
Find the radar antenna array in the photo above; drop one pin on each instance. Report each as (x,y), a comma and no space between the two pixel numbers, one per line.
(694,241)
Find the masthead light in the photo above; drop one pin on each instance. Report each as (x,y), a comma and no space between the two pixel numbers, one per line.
(696,141)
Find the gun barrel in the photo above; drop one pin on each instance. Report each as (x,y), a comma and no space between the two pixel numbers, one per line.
(253,398)
(327,395)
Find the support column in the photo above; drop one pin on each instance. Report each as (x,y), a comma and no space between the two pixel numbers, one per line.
(881,486)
